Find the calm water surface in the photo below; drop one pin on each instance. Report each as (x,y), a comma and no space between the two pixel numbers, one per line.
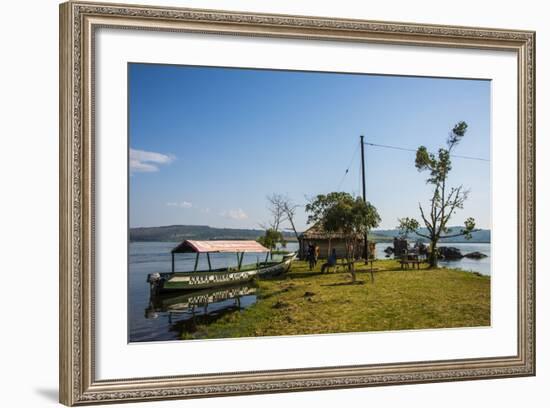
(166,317)
(482,266)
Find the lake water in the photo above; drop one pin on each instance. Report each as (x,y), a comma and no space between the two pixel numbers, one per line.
(166,317)
(482,266)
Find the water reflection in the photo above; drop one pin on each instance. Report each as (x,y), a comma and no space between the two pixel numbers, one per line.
(185,312)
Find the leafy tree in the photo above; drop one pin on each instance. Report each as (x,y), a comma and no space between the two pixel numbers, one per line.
(271,238)
(340,212)
(445,200)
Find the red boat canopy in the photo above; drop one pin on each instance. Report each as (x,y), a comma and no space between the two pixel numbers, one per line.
(219,246)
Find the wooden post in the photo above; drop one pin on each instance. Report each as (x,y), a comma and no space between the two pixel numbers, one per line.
(240,260)
(172,262)
(196,262)
(371,271)
(366,243)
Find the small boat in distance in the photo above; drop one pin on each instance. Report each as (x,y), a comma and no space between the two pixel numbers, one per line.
(202,279)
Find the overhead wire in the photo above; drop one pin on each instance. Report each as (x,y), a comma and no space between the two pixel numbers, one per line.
(414,150)
(394,148)
(348,168)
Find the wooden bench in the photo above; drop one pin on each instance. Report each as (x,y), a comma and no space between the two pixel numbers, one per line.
(414,261)
(345,265)
(342,264)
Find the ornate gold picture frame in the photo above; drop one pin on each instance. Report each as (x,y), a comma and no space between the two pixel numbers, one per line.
(78,24)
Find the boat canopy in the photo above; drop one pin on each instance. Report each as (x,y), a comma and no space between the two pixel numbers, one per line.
(218,246)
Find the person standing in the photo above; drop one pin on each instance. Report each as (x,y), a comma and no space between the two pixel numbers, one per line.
(311,256)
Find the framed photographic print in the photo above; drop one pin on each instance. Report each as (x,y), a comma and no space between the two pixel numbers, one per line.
(256,203)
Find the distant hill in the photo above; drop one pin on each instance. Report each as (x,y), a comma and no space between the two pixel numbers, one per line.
(199,232)
(176,233)
(482,236)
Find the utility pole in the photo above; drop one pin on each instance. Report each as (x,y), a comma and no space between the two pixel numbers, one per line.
(366,248)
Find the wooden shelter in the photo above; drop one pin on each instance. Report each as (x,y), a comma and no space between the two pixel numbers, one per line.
(208,247)
(316,235)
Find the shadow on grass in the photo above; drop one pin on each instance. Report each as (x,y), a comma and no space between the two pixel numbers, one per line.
(281,277)
(299,275)
(345,283)
(264,296)
(395,269)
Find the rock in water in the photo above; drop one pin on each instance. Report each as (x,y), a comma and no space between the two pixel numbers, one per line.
(388,250)
(449,253)
(475,255)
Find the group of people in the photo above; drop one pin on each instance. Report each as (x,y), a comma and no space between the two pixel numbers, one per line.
(312,256)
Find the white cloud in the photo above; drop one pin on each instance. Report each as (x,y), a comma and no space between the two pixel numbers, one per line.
(181,204)
(236,214)
(142,161)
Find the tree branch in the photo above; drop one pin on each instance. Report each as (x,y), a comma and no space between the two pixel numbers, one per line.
(422,235)
(426,222)
(459,234)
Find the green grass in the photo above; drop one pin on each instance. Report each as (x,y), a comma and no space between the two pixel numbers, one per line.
(308,302)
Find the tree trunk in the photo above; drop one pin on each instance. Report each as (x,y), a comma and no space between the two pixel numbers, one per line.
(350,257)
(351,269)
(433,253)
(288,215)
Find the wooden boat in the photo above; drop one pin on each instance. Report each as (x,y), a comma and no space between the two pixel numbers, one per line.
(202,279)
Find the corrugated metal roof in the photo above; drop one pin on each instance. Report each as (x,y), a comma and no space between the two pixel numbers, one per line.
(219,246)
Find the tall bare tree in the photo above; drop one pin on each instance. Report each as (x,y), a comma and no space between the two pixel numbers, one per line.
(282,209)
(445,200)
(289,209)
(275,206)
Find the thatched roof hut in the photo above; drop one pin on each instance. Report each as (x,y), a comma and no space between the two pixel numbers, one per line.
(317,231)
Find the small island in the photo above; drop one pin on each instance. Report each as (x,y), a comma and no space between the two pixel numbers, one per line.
(399,300)
(268,202)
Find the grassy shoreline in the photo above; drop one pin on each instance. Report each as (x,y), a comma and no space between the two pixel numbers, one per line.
(308,302)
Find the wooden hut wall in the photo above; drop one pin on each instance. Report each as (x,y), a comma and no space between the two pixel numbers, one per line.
(325,247)
(339,244)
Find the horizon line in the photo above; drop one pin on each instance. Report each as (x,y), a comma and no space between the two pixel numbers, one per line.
(263,229)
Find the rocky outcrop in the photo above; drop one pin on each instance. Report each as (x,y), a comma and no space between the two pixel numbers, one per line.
(400,246)
(449,253)
(475,255)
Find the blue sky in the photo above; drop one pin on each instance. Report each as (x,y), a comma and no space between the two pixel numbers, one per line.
(207,145)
